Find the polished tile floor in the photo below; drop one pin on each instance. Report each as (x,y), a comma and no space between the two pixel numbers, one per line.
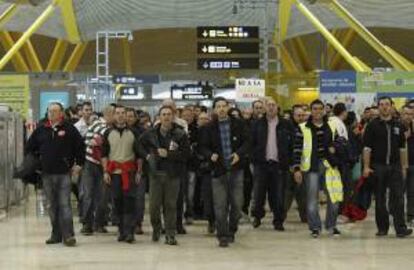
(22,236)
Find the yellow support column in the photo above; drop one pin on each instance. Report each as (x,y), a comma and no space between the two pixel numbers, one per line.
(57,56)
(402,58)
(69,20)
(8,14)
(365,34)
(329,37)
(346,42)
(31,55)
(285,10)
(18,61)
(75,57)
(126,48)
(30,31)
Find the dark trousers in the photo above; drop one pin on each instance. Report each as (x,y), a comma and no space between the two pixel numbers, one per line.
(389,177)
(347,183)
(58,189)
(297,192)
(95,197)
(207,197)
(410,193)
(247,189)
(181,198)
(269,179)
(141,200)
(163,195)
(125,203)
(228,201)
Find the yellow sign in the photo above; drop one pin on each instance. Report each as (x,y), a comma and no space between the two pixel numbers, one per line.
(14,92)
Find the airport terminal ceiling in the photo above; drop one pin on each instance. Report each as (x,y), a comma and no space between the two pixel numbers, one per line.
(96,15)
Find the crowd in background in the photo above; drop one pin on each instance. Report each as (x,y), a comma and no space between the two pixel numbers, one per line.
(222,164)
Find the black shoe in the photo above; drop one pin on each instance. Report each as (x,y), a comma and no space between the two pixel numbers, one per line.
(211,228)
(256,223)
(101,230)
(138,230)
(162,231)
(279,227)
(404,233)
(52,241)
(223,243)
(121,238)
(170,240)
(130,239)
(181,230)
(335,232)
(231,239)
(381,233)
(70,242)
(86,230)
(156,236)
(315,233)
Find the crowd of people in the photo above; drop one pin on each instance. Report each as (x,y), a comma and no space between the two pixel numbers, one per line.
(222,164)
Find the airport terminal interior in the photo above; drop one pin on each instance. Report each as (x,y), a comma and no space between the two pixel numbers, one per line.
(206,134)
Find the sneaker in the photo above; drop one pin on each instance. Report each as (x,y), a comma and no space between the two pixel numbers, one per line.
(86,230)
(279,227)
(130,239)
(335,232)
(138,230)
(315,233)
(256,223)
(381,233)
(171,241)
(52,241)
(70,242)
(156,236)
(121,238)
(223,243)
(181,230)
(404,233)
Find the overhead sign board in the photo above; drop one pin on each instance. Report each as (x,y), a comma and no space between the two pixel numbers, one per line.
(250,89)
(131,93)
(213,48)
(227,32)
(135,79)
(14,93)
(338,82)
(191,91)
(228,63)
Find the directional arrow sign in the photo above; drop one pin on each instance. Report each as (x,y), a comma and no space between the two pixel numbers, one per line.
(204,49)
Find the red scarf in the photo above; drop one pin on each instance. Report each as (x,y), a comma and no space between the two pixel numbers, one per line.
(125,167)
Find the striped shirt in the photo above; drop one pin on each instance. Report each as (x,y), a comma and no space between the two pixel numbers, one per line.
(93,140)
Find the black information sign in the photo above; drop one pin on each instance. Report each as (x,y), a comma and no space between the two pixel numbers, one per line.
(214,48)
(228,63)
(227,32)
(131,92)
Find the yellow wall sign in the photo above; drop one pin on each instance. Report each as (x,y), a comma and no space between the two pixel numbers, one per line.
(14,92)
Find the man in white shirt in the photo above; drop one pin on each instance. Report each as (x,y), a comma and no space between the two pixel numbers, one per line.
(83,124)
(340,114)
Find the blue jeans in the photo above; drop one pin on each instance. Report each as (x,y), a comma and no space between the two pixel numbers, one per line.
(228,202)
(95,195)
(58,189)
(313,182)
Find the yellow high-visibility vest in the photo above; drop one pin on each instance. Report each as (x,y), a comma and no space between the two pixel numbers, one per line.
(332,175)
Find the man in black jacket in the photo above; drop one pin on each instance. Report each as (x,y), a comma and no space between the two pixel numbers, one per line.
(226,142)
(385,158)
(62,152)
(271,140)
(166,149)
